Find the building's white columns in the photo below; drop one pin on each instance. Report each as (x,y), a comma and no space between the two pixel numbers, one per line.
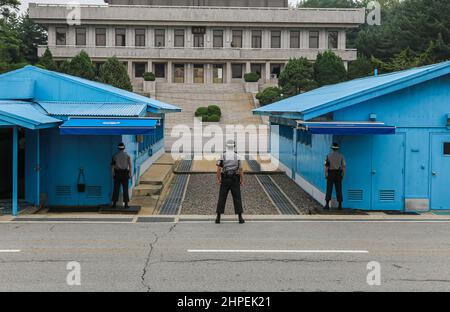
(130,38)
(248,67)
(267,71)
(304,39)
(51,35)
(323,40)
(266,39)
(110,37)
(170,37)
(150,37)
(247,38)
(228,73)
(130,69)
(342,40)
(169,72)
(150,66)
(70,37)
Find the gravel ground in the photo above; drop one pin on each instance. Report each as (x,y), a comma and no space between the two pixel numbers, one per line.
(304,201)
(203,192)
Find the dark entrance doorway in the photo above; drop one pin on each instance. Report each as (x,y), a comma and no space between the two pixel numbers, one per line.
(6,163)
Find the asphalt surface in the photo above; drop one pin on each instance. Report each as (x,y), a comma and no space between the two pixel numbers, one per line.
(155,257)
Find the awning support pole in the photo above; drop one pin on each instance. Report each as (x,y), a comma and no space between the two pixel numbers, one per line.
(15,171)
(38,168)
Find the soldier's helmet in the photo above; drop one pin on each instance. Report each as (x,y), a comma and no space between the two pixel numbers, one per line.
(121,146)
(335,146)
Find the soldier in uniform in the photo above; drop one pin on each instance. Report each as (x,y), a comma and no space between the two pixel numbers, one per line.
(230,176)
(334,173)
(121,172)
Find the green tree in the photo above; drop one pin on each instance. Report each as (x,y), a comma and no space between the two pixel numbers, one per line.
(269,95)
(46,60)
(297,77)
(437,51)
(114,73)
(362,67)
(81,66)
(329,69)
(31,35)
(7,5)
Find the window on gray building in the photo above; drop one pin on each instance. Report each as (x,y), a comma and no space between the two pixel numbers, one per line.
(120,37)
(139,69)
(160,38)
(199,40)
(179,38)
(237,39)
(275,39)
(295,39)
(333,39)
(160,70)
(257,69)
(61,34)
(236,71)
(275,70)
(139,37)
(218,38)
(80,36)
(314,39)
(256,39)
(100,37)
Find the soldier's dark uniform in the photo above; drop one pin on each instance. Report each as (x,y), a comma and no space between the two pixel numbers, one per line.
(231,165)
(335,167)
(121,164)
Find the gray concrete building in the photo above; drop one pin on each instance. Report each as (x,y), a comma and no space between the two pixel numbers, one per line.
(197,41)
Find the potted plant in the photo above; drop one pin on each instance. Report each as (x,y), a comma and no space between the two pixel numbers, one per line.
(251,82)
(149,83)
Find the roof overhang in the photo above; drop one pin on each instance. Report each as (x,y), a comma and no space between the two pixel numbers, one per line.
(346,128)
(109,126)
(25,115)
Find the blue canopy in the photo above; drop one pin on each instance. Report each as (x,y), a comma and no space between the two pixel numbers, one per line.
(109,126)
(346,128)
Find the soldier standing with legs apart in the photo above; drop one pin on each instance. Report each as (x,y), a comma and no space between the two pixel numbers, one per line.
(334,173)
(230,176)
(121,172)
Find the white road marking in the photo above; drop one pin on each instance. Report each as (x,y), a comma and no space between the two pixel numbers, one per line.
(275,251)
(10,250)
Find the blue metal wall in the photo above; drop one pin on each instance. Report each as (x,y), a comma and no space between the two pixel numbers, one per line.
(384,171)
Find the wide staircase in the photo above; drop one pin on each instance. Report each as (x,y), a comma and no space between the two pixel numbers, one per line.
(235,103)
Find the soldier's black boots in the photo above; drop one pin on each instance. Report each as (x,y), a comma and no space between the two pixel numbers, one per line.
(218,219)
(340,206)
(241,220)
(327,206)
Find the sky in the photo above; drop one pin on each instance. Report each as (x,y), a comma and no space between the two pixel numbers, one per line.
(25,2)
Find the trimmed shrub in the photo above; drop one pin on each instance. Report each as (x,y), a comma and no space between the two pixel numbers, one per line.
(251,77)
(214,110)
(149,76)
(213,118)
(201,111)
(269,95)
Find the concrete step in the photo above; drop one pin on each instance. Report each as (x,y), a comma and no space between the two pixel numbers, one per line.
(147,190)
(156,175)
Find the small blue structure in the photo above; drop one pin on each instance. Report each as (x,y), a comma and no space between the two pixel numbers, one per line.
(58,131)
(394,131)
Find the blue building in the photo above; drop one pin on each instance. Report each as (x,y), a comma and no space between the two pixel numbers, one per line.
(58,131)
(394,131)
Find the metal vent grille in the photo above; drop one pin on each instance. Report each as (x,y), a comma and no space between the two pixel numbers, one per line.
(94,191)
(387,195)
(63,191)
(355,195)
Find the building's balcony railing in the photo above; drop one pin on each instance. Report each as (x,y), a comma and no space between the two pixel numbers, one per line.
(207,54)
(44,13)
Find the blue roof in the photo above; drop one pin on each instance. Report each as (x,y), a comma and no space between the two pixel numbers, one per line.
(93,109)
(108,91)
(25,114)
(334,97)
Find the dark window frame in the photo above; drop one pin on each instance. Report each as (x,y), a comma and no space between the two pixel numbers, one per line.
(237,34)
(218,36)
(295,34)
(158,71)
(61,37)
(233,67)
(160,34)
(179,34)
(140,37)
(120,37)
(100,36)
(333,41)
(257,39)
(314,34)
(197,42)
(80,31)
(446,150)
(275,39)
(139,72)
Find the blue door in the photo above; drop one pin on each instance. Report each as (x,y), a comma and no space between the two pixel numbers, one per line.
(440,158)
(388,163)
(357,183)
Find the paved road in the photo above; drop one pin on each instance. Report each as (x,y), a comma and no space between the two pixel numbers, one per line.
(155,257)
